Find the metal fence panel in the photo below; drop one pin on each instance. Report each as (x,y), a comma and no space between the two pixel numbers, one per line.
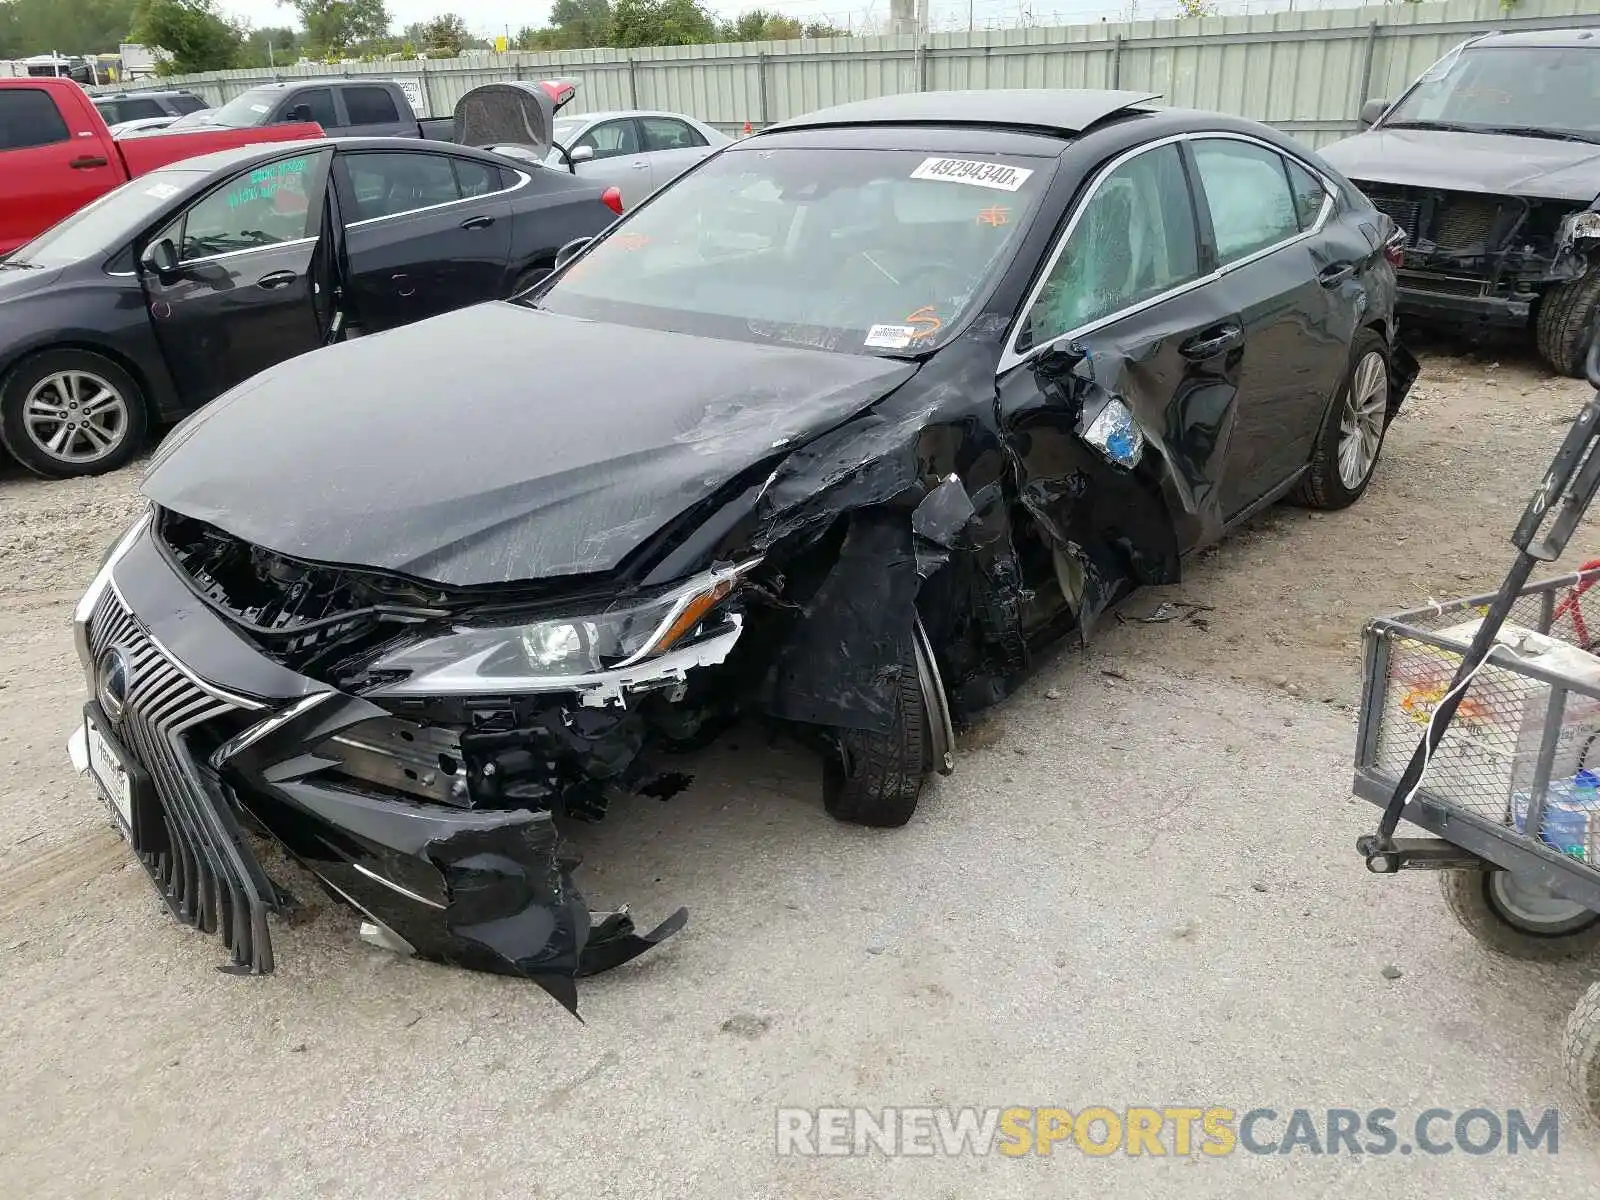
(1305,72)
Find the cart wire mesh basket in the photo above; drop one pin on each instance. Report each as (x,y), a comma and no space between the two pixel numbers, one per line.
(1521,760)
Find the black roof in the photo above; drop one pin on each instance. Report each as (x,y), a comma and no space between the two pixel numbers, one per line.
(1056,110)
(1589,39)
(243,156)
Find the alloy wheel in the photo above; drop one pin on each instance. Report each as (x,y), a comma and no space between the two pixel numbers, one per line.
(1361,424)
(75,416)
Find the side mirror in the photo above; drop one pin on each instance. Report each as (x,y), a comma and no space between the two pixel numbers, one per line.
(570,251)
(582,154)
(300,114)
(161,259)
(1371,111)
(1057,362)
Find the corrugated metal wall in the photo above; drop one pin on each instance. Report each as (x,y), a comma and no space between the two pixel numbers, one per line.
(1305,72)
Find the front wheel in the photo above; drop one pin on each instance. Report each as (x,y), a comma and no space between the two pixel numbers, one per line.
(876,778)
(1351,437)
(68,413)
(1566,322)
(1515,916)
(1581,1052)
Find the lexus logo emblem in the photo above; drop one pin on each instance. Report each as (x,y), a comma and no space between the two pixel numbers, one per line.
(113,681)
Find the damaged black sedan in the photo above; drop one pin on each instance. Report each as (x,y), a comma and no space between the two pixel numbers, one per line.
(836,430)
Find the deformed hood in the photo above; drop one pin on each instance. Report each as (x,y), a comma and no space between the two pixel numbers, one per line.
(499,443)
(1491,163)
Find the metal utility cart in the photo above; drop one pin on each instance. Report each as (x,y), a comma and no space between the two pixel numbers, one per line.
(1480,723)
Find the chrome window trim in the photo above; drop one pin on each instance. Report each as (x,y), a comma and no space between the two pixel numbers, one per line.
(302,241)
(523,179)
(1011,356)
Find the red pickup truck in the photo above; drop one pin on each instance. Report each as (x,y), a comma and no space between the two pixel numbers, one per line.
(56,153)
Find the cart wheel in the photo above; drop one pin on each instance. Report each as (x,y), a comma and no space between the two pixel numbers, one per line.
(1512,915)
(1580,1051)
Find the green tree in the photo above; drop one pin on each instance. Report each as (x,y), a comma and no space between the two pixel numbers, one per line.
(334,26)
(447,32)
(284,43)
(661,23)
(823,29)
(191,31)
(29,27)
(759,25)
(579,24)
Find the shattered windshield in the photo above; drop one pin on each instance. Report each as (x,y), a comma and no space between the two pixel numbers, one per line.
(1538,90)
(859,251)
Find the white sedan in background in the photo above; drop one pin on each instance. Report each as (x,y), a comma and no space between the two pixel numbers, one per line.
(636,151)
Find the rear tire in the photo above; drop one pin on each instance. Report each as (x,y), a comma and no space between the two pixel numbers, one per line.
(1580,1052)
(876,778)
(1485,904)
(1355,411)
(70,413)
(530,278)
(1567,321)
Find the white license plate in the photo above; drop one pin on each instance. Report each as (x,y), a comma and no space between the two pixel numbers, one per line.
(109,773)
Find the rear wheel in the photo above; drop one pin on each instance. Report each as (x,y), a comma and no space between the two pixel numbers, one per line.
(1351,438)
(68,413)
(1567,321)
(1581,1051)
(1515,916)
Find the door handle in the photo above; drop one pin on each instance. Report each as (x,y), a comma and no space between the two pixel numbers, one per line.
(1336,274)
(1212,343)
(640,166)
(87,161)
(403,285)
(277,279)
(477,223)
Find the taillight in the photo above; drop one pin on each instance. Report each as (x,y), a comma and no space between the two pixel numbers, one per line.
(612,199)
(1395,248)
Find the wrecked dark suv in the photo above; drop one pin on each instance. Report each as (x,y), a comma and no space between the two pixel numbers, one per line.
(1490,164)
(835,430)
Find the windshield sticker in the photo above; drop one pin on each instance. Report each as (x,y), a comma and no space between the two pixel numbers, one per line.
(161,191)
(925,322)
(995,216)
(890,337)
(971,171)
(258,108)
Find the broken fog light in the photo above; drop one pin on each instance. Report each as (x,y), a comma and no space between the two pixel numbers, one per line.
(1115,435)
(512,658)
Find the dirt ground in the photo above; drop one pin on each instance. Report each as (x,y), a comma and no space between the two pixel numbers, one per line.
(833,964)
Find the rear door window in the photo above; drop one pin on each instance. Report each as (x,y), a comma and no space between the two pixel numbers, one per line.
(183,103)
(1309,194)
(137,110)
(28,117)
(370,106)
(388,184)
(1248,194)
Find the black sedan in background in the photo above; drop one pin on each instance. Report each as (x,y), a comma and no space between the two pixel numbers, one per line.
(838,429)
(168,291)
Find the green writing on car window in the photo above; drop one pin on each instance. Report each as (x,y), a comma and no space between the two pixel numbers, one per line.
(265,182)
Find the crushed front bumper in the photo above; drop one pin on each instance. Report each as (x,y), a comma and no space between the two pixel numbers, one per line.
(216,737)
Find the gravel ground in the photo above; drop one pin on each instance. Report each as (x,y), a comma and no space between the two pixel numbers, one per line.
(1138,888)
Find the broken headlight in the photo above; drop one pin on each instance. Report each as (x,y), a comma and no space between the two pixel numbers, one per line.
(513,658)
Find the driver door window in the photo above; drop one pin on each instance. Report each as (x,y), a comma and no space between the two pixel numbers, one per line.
(611,139)
(319,101)
(264,206)
(1134,238)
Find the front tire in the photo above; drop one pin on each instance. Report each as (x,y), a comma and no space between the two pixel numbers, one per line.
(1581,1052)
(1566,322)
(1351,438)
(1515,917)
(876,778)
(70,413)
